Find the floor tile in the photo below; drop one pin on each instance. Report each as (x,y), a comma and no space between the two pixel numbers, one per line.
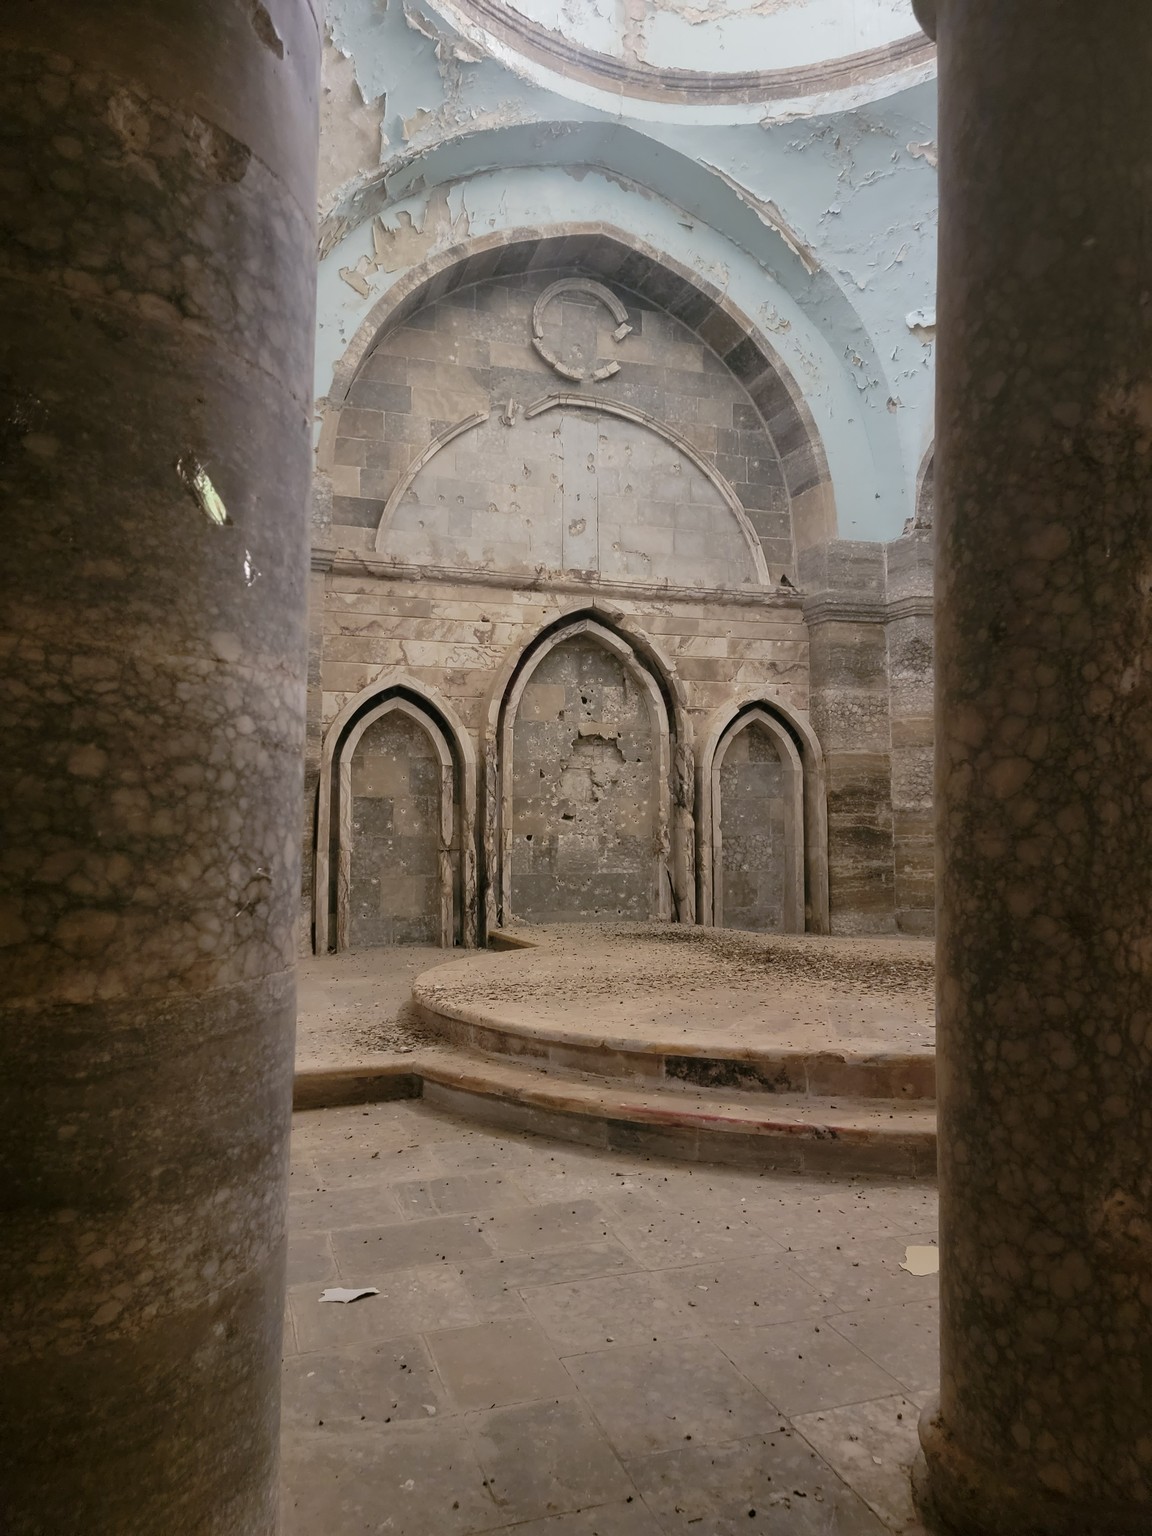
(625,1519)
(810,1212)
(655,1396)
(487,1153)
(497,1364)
(872,1446)
(859,1271)
(712,1491)
(355,1205)
(902,1340)
(719,1263)
(366,1383)
(410,1301)
(495,1284)
(554,1224)
(542,1182)
(805,1366)
(587,1315)
(424,1479)
(458,1194)
(309,1257)
(366,1253)
(662,1238)
(744,1294)
(546,1459)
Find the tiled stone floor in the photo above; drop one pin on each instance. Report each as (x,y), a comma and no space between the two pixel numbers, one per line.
(578,1343)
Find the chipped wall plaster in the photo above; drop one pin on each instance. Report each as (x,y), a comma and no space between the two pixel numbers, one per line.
(352,137)
(822,230)
(862,444)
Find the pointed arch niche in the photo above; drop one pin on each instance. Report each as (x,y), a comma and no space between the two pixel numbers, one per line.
(585,759)
(763,823)
(395,825)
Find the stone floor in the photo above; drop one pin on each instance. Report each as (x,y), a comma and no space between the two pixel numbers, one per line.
(578,1343)
(357,1006)
(699,987)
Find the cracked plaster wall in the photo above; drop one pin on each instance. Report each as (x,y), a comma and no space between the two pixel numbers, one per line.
(822,229)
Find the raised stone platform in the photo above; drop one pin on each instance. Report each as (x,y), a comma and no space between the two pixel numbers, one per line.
(704,1007)
(803,1053)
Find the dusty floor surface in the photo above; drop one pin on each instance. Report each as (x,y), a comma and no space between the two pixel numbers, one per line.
(712,986)
(577,1343)
(357,1006)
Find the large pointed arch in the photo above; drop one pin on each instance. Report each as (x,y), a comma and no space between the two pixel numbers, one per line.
(654,674)
(609,253)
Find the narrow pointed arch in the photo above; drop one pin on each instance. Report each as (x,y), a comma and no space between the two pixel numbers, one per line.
(803,760)
(456,861)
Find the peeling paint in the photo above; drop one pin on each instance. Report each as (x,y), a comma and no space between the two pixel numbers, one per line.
(769,214)
(352,137)
(922,323)
(836,274)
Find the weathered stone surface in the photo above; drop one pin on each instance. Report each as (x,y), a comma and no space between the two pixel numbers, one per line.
(1044,779)
(156,278)
(585,791)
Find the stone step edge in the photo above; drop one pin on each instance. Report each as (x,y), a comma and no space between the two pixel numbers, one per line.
(901,1075)
(803,1135)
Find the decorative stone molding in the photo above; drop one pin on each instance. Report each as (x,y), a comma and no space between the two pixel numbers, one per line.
(847,608)
(322,559)
(658,715)
(605,296)
(599,615)
(349,563)
(653,276)
(638,79)
(844,608)
(793,816)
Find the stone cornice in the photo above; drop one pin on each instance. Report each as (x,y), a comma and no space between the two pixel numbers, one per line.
(857,608)
(344,562)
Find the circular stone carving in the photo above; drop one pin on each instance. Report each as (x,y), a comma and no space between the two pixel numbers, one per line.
(592,290)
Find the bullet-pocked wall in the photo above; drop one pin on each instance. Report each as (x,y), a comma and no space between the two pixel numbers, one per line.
(664,370)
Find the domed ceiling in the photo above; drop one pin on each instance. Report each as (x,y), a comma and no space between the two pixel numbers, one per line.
(705,53)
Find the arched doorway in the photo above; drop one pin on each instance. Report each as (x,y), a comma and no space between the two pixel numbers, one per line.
(392,826)
(758,813)
(585,784)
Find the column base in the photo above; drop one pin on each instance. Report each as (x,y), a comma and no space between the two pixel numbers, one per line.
(956,1496)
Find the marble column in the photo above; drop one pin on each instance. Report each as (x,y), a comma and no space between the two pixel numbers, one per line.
(157,269)
(1044,776)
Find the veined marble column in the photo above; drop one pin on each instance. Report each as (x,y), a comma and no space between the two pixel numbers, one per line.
(157,271)
(1044,770)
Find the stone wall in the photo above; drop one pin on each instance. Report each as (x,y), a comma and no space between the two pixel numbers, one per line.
(508,494)
(536,449)
(909,631)
(869,612)
(751,860)
(585,791)
(394,884)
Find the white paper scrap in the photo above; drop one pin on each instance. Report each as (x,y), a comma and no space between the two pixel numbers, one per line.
(347,1293)
(922,1261)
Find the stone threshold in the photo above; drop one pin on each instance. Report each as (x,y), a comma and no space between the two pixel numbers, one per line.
(784,1132)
